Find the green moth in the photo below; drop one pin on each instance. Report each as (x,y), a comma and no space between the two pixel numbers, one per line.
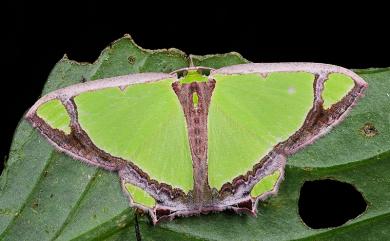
(188,142)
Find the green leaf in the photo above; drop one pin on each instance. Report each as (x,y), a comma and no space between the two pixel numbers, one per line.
(45,195)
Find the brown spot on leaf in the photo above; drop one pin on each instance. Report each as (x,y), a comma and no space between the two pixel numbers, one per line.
(131,59)
(83,79)
(369,130)
(35,204)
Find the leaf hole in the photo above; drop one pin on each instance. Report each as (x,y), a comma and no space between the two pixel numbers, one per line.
(329,203)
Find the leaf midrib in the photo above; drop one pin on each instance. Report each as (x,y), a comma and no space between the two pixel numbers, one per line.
(72,212)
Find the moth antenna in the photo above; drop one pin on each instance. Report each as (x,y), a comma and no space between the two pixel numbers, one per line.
(191,61)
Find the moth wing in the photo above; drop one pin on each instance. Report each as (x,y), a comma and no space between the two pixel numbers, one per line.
(260,113)
(134,121)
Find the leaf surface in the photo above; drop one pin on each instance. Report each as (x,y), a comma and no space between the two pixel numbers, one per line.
(45,195)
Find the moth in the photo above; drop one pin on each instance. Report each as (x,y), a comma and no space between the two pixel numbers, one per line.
(198,140)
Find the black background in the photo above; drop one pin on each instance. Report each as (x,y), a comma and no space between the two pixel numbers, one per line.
(38,35)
